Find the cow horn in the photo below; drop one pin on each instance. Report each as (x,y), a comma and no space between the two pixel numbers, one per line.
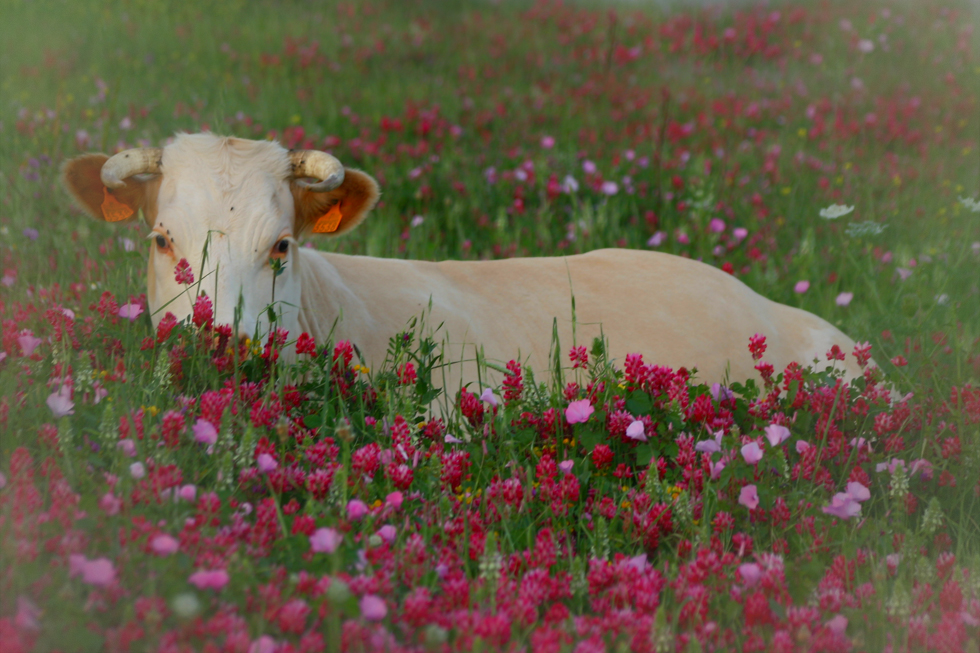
(316,165)
(138,161)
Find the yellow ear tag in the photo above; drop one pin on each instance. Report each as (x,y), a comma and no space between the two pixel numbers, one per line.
(329,221)
(113,209)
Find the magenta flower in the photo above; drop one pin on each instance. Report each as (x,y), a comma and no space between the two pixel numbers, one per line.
(776,434)
(740,233)
(721,393)
(130,311)
(657,239)
(752,453)
(710,446)
(635,431)
(801,287)
(266,463)
(164,545)
(547,142)
(99,572)
(489,397)
(394,500)
(844,298)
(263,644)
(356,509)
(187,492)
(28,343)
(451,439)
(325,540)
(579,411)
(749,497)
(843,506)
(183,273)
(373,607)
(716,469)
(110,504)
(137,470)
(128,447)
(566,466)
(838,624)
(210,579)
(858,492)
(204,432)
(801,446)
(609,188)
(60,402)
(716,226)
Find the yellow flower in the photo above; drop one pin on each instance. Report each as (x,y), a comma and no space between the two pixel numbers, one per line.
(153,410)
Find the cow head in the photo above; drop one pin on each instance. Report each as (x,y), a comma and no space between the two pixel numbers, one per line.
(245,203)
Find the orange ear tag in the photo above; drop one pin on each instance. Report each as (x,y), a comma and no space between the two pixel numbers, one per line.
(329,221)
(113,209)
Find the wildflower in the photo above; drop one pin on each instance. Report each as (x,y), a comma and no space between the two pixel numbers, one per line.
(864,230)
(657,239)
(838,625)
(388,533)
(721,393)
(740,233)
(209,579)
(866,46)
(204,432)
(716,226)
(488,397)
(449,439)
(749,497)
(752,453)
(843,505)
(589,167)
(710,446)
(187,493)
(844,298)
(99,572)
(60,402)
(547,142)
(835,211)
(110,504)
(776,434)
(566,466)
(635,431)
(130,311)
(266,463)
(264,644)
(373,607)
(417,221)
(137,470)
(128,447)
(28,343)
(609,188)
(569,185)
(325,540)
(183,273)
(750,573)
(356,509)
(164,545)
(801,446)
(801,287)
(394,500)
(579,411)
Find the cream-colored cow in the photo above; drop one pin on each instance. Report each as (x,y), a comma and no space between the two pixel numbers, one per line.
(254,200)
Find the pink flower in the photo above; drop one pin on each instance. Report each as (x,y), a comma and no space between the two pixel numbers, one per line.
(843,506)
(130,311)
(547,142)
(750,573)
(801,287)
(60,402)
(99,572)
(212,579)
(137,470)
(489,397)
(110,503)
(394,500)
(858,492)
(128,447)
(776,434)
(76,564)
(263,644)
(838,624)
(187,493)
(752,453)
(579,411)
(635,431)
(28,343)
(657,239)
(844,298)
(710,446)
(589,167)
(801,446)
(204,432)
(749,497)
(164,545)
(373,607)
(566,466)
(716,469)
(740,233)
(183,273)
(325,540)
(356,509)
(388,533)
(451,439)
(266,463)
(716,226)
(609,188)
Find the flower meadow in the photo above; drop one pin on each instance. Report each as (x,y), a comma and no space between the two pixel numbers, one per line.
(177,489)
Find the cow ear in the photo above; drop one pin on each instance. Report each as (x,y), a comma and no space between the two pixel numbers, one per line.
(336,211)
(82,178)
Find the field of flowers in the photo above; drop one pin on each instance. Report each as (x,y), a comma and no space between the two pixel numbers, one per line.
(171,489)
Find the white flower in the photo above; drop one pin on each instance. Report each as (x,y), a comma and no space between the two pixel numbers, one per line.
(970,204)
(864,229)
(835,211)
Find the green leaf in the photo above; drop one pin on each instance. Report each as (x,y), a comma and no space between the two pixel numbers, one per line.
(639,403)
(644,454)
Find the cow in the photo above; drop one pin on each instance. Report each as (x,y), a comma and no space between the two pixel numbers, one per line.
(252,202)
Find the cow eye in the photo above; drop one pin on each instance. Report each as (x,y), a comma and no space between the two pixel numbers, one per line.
(282,246)
(161,242)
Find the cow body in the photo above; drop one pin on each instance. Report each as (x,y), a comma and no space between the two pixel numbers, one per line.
(248,202)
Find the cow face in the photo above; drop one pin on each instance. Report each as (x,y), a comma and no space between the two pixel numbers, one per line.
(234,209)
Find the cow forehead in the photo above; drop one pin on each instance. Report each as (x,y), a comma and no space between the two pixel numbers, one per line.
(229,185)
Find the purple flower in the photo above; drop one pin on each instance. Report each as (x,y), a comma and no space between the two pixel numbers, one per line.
(266,463)
(776,434)
(388,533)
(60,402)
(844,298)
(99,572)
(716,226)
(716,469)
(749,497)
(137,470)
(373,607)
(721,393)
(30,234)
(164,545)
(205,433)
(609,188)
(750,573)
(579,411)
(858,492)
(325,540)
(589,167)
(740,233)
(566,466)
(752,453)
(187,493)
(130,311)
(635,431)
(843,506)
(489,397)
(710,446)
(128,447)
(657,239)
(801,287)
(28,343)
(547,142)
(209,579)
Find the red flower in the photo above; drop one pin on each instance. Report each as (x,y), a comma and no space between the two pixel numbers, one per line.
(183,273)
